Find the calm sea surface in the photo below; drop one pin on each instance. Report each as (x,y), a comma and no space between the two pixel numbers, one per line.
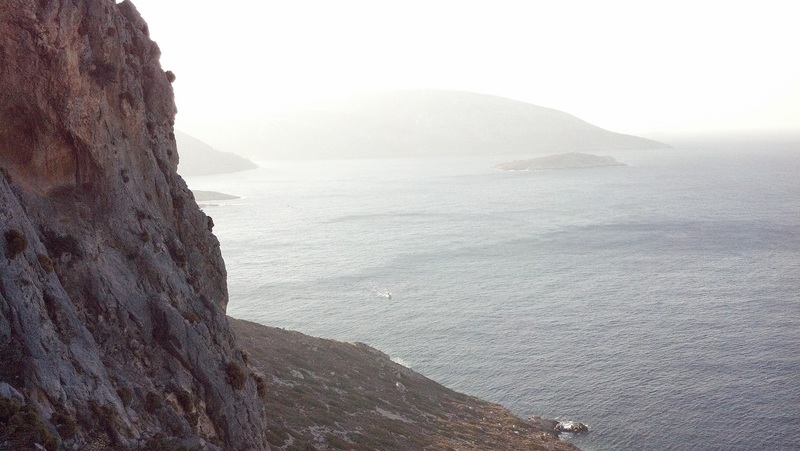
(659,302)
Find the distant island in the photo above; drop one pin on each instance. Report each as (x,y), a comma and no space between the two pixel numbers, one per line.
(198,158)
(420,123)
(571,160)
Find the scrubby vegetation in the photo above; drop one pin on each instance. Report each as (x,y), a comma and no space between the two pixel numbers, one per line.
(235,375)
(22,428)
(46,262)
(161,443)
(124,395)
(192,317)
(185,399)
(261,386)
(65,424)
(324,394)
(103,73)
(15,242)
(152,402)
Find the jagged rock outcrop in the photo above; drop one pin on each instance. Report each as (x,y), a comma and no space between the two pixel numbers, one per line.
(112,286)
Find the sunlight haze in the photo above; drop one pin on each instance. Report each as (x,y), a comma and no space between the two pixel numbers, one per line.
(631,67)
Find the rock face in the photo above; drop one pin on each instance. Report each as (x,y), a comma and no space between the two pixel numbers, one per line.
(112,286)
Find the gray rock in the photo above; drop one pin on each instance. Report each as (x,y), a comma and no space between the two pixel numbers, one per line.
(571,426)
(7,391)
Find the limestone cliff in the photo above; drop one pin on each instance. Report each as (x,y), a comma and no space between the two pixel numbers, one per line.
(112,286)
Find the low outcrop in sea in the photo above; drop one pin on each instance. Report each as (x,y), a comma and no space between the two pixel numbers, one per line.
(571,426)
(571,160)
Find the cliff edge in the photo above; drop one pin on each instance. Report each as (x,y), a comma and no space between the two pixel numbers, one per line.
(112,286)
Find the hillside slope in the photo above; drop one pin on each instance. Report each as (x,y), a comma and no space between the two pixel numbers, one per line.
(326,394)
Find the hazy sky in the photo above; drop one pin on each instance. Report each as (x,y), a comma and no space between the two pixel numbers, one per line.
(629,66)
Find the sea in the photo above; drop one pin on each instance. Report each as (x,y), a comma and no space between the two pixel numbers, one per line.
(657,302)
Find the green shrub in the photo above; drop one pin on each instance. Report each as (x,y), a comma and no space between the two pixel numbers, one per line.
(104,417)
(152,402)
(192,317)
(337,442)
(261,386)
(65,424)
(186,400)
(235,375)
(276,438)
(161,443)
(178,253)
(8,407)
(15,242)
(58,245)
(21,427)
(103,73)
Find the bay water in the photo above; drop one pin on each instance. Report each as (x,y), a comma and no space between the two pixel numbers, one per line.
(657,302)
